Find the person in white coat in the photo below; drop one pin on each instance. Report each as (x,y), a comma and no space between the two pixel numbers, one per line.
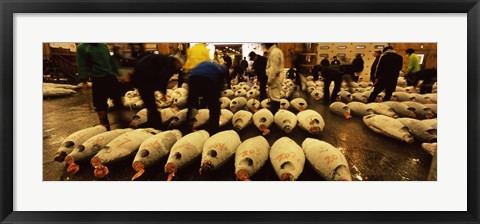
(275,76)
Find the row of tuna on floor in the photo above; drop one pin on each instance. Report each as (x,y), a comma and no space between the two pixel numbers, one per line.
(104,148)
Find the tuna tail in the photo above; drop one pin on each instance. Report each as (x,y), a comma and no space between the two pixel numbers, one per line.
(171,169)
(407,138)
(140,168)
(243,175)
(72,169)
(206,167)
(264,129)
(100,170)
(342,174)
(347,115)
(287,176)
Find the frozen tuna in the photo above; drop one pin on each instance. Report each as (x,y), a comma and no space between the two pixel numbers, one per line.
(401,109)
(402,96)
(388,126)
(262,119)
(179,118)
(311,121)
(284,104)
(201,118)
(253,94)
(340,109)
(287,159)
(317,94)
(224,102)
(299,104)
(153,149)
(139,118)
(225,117)
(238,104)
(240,93)
(180,103)
(285,120)
(383,109)
(90,147)
(430,122)
(326,160)
(218,149)
(241,119)
(253,105)
(344,96)
(119,148)
(420,130)
(228,93)
(184,151)
(265,103)
(359,97)
(431,148)
(432,107)
(360,109)
(77,138)
(421,111)
(250,157)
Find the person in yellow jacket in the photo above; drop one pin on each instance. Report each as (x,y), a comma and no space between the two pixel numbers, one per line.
(195,55)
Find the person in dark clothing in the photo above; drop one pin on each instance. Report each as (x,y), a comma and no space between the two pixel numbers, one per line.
(325,62)
(357,67)
(244,63)
(332,73)
(388,68)
(152,73)
(429,77)
(94,62)
(297,61)
(335,61)
(259,66)
(316,70)
(227,62)
(207,80)
(373,69)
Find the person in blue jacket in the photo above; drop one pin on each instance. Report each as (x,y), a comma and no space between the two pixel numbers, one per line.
(207,79)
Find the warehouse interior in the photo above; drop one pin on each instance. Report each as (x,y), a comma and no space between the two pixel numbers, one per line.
(369,155)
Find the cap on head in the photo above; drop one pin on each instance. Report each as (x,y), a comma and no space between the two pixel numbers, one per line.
(379,51)
(409,51)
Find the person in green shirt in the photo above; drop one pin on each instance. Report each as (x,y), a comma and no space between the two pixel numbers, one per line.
(94,62)
(413,65)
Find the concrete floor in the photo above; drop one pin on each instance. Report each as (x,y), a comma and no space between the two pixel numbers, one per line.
(370,156)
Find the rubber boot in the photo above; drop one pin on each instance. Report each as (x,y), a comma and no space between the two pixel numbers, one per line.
(103,117)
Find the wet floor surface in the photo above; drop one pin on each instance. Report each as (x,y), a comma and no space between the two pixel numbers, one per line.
(371,157)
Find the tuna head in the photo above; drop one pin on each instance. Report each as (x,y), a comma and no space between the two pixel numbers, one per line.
(287,126)
(244,174)
(66,146)
(286,169)
(342,173)
(314,128)
(207,165)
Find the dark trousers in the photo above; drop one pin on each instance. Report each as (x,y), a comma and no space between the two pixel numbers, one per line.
(263,86)
(104,88)
(387,85)
(147,92)
(329,77)
(274,106)
(298,80)
(203,86)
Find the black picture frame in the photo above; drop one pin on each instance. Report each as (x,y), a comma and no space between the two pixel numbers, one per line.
(9,8)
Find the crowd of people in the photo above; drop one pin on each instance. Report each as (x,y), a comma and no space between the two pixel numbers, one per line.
(208,77)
